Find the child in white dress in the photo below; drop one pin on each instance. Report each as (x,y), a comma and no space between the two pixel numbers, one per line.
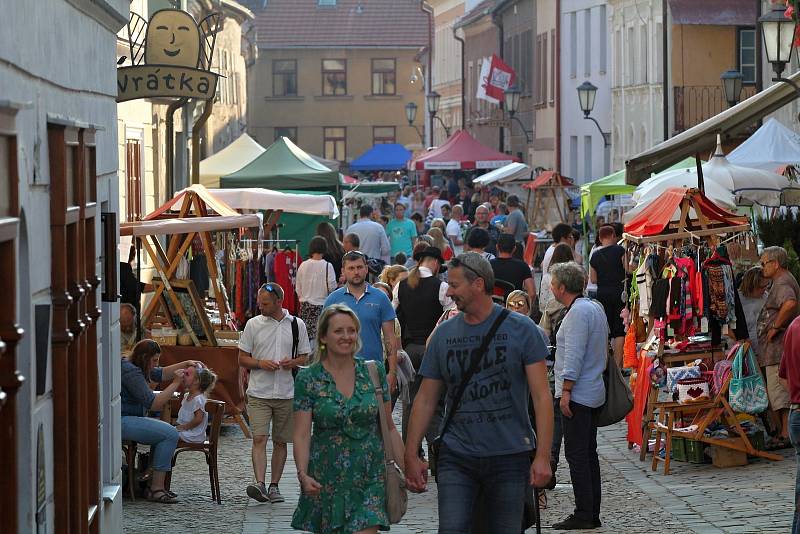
(192,417)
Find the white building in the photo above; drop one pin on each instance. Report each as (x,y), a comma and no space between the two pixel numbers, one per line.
(585,56)
(60,448)
(637,104)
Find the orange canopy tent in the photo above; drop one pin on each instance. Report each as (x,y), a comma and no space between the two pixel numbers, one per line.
(550,199)
(696,216)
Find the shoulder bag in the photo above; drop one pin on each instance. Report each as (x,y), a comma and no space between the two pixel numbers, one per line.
(747,391)
(477,356)
(396,494)
(619,397)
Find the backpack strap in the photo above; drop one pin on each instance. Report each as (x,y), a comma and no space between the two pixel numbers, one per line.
(295,337)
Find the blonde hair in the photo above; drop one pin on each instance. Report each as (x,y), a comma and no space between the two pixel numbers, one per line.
(438,222)
(391,273)
(207,379)
(320,350)
(519,293)
(438,238)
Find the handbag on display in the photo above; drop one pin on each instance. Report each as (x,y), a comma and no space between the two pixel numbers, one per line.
(722,370)
(747,391)
(693,390)
(680,373)
(393,449)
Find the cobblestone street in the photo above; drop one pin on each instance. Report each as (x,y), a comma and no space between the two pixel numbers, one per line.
(693,498)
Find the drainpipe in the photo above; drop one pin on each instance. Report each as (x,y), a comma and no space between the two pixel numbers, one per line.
(428,10)
(170,145)
(557,96)
(497,21)
(463,80)
(665,64)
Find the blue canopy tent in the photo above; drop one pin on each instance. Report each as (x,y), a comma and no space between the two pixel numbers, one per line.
(382,157)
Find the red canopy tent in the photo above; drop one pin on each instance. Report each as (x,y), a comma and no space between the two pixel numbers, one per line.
(462,152)
(697,216)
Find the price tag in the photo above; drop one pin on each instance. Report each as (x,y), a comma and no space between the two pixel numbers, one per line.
(704,324)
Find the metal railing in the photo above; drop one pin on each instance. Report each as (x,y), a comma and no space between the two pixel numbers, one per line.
(695,103)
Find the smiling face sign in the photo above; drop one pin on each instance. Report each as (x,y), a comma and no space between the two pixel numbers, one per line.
(172,39)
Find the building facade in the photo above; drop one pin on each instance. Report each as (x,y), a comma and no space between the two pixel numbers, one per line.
(447,64)
(58,231)
(517,21)
(335,76)
(546,69)
(585,45)
(663,84)
(481,40)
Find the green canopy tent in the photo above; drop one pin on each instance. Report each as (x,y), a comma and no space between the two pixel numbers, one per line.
(614,184)
(284,165)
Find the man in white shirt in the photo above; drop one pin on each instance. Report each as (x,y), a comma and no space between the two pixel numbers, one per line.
(454,229)
(562,233)
(270,350)
(372,236)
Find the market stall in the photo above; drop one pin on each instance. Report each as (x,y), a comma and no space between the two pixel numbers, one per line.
(770,148)
(680,313)
(461,152)
(551,203)
(230,159)
(382,157)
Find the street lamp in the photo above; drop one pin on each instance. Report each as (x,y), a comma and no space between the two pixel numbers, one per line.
(511,100)
(587,93)
(433,108)
(778,32)
(731,86)
(411,114)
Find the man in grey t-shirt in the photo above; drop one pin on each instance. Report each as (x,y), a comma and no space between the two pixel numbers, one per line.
(515,222)
(487,445)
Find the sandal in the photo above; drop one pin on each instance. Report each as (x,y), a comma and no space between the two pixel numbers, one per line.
(161,496)
(776,444)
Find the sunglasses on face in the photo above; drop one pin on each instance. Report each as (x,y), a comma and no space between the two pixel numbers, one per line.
(517,304)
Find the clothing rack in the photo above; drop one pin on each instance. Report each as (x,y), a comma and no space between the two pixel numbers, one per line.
(260,242)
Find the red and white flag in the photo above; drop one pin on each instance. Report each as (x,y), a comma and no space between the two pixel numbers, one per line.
(496,76)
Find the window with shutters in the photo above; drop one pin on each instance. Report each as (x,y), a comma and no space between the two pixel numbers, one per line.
(133,179)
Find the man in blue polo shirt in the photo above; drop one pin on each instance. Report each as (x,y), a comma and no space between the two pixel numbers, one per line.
(374,311)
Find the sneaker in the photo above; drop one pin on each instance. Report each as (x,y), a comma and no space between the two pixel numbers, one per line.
(575,523)
(258,492)
(274,494)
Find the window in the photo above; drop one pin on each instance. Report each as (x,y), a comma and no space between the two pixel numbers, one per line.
(573,45)
(618,68)
(644,57)
(383,77)
(284,77)
(631,58)
(541,69)
(553,61)
(290,132)
(326,3)
(573,155)
(133,179)
(603,45)
(334,77)
(383,134)
(527,61)
(335,143)
(659,54)
(587,159)
(587,42)
(747,55)
(7,184)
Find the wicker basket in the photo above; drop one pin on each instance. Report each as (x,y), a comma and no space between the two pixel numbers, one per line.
(165,336)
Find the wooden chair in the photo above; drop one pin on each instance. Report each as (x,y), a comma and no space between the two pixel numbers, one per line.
(216,412)
(129,448)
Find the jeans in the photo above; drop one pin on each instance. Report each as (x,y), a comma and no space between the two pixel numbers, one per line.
(501,481)
(162,438)
(580,449)
(794,436)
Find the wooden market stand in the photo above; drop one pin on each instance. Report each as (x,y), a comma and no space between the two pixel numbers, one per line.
(653,225)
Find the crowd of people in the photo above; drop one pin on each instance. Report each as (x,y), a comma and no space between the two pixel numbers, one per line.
(493,371)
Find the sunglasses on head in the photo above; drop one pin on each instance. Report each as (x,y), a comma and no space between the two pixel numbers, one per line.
(455,262)
(267,287)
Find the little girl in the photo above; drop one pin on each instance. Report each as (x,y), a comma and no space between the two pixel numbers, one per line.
(192,417)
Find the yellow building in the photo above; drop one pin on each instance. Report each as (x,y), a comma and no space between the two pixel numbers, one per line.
(335,76)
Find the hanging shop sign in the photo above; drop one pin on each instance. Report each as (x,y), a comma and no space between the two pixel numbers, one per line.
(170,57)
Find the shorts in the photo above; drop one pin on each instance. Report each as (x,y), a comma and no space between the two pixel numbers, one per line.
(778,396)
(613,305)
(279,411)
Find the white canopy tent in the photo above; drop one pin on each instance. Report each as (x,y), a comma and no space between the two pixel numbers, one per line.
(188,225)
(229,160)
(509,173)
(771,147)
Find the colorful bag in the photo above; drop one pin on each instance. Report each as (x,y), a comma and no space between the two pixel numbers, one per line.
(747,391)
(722,369)
(679,373)
(693,390)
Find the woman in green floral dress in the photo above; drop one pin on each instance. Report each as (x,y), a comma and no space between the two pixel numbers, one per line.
(340,465)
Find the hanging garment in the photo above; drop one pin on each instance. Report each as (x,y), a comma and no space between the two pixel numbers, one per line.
(644,286)
(286,262)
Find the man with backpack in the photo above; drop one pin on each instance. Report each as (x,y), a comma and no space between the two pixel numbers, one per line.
(272,345)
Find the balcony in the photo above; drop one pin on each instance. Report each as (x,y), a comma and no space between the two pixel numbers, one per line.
(696,103)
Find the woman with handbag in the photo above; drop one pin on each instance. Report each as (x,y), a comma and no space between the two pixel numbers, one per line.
(316,279)
(608,272)
(341,465)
